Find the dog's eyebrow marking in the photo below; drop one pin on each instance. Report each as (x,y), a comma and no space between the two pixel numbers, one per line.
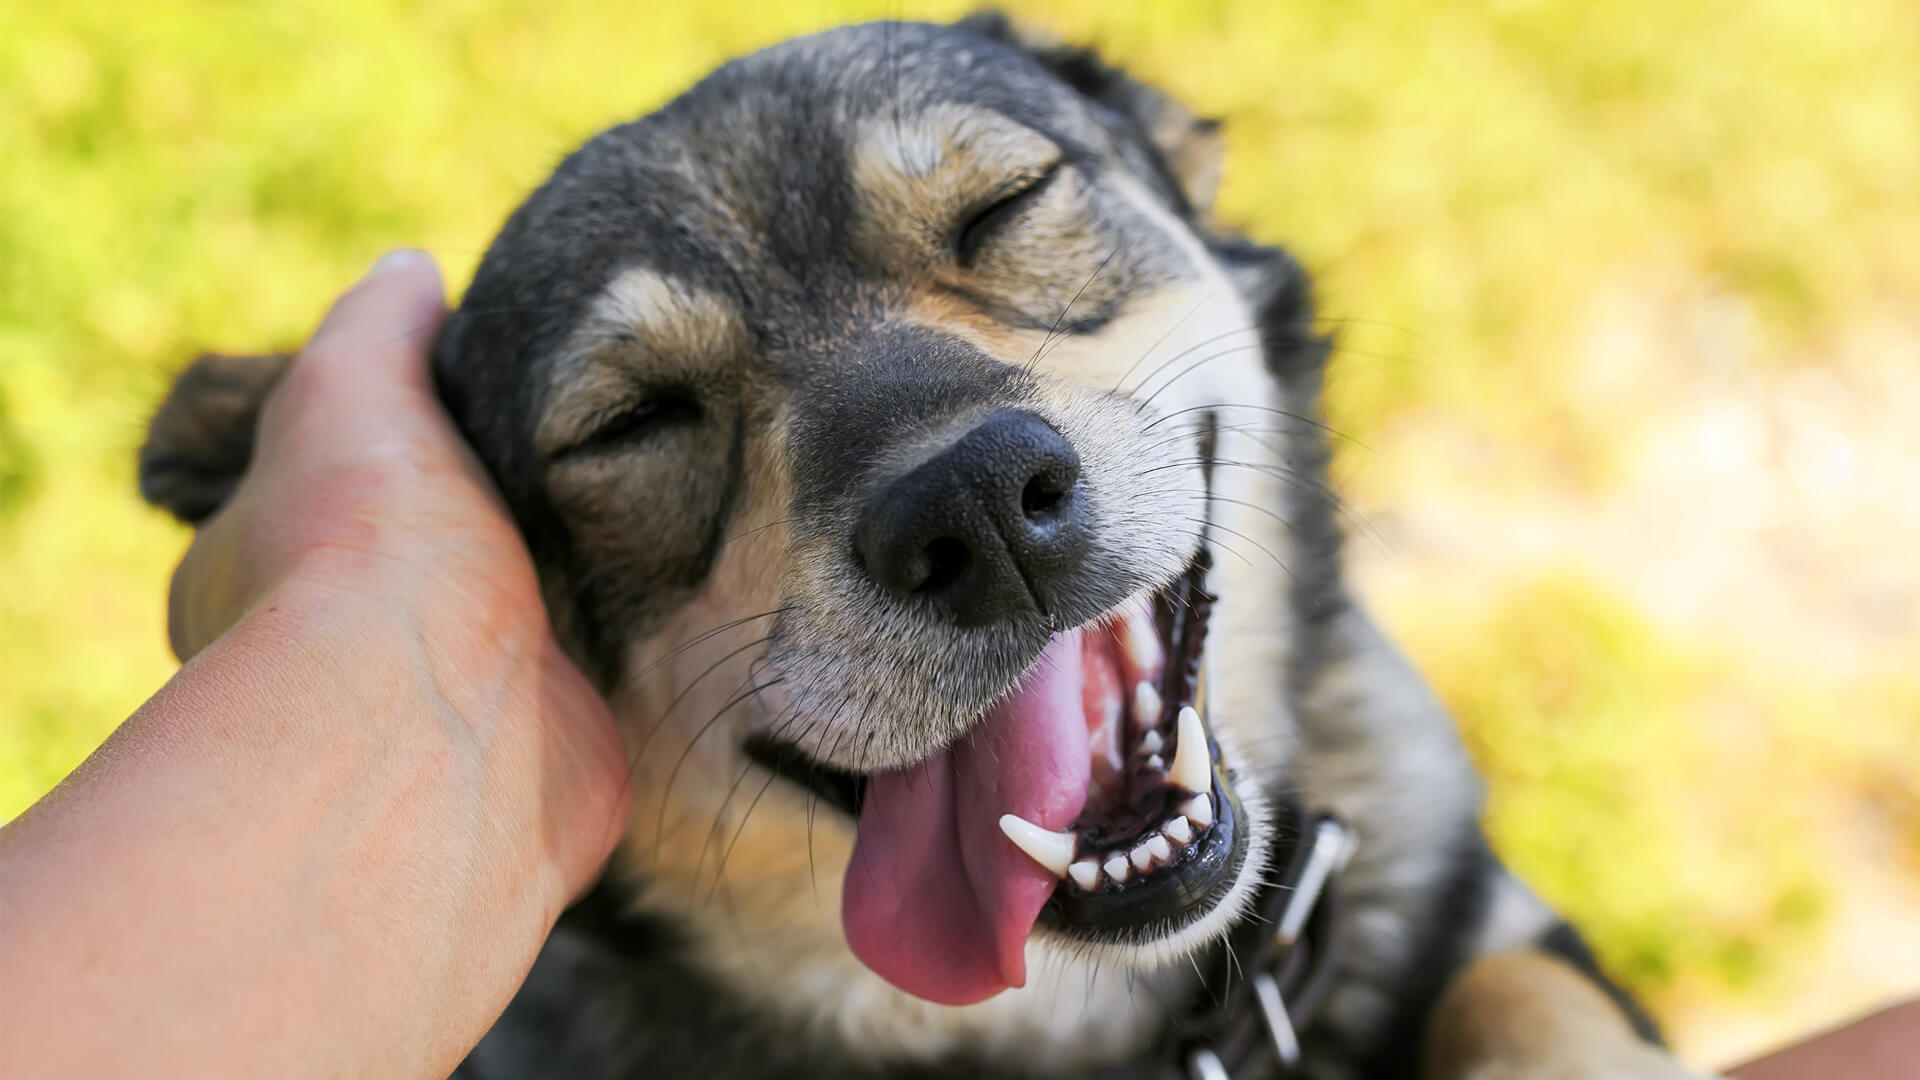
(664,313)
(643,328)
(927,169)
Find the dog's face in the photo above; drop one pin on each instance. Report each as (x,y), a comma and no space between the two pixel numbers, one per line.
(898,445)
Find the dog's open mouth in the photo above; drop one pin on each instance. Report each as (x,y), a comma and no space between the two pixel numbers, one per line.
(1157,838)
(1091,800)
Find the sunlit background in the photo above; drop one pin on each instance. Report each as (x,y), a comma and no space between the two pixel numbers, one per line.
(1628,303)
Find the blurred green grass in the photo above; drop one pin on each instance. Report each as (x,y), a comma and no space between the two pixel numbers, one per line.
(1466,181)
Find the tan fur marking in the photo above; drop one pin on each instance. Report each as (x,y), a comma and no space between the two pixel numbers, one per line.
(1523,1014)
(1197,163)
(948,314)
(677,326)
(916,176)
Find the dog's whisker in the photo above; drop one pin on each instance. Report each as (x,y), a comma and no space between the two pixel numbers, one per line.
(1290,476)
(813,793)
(713,831)
(708,634)
(1303,483)
(719,872)
(1039,352)
(1203,539)
(1235,532)
(1159,341)
(1249,328)
(1311,422)
(1350,320)
(673,775)
(660,720)
(1184,433)
(755,529)
(1209,496)
(1259,347)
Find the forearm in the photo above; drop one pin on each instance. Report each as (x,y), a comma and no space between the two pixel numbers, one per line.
(249,880)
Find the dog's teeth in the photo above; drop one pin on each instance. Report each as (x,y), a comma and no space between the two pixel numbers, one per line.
(1162,851)
(1199,810)
(1146,705)
(1179,830)
(1117,868)
(1155,763)
(1142,643)
(1151,741)
(1192,762)
(1053,850)
(1142,857)
(1111,706)
(1085,873)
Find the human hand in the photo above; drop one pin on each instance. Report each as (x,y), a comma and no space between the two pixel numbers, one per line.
(1882,1046)
(360,486)
(335,842)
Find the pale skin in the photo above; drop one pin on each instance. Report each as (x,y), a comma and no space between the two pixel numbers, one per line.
(334,842)
(332,845)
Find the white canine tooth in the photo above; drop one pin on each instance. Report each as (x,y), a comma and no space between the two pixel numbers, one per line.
(1053,850)
(1162,851)
(1192,762)
(1142,857)
(1199,810)
(1155,763)
(1146,705)
(1179,830)
(1151,742)
(1117,868)
(1142,642)
(1086,874)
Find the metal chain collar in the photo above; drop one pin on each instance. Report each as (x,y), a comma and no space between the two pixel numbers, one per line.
(1283,958)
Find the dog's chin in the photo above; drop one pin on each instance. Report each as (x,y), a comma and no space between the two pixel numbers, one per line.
(1166,849)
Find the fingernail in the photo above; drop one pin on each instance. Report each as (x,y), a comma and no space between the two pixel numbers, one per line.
(395,260)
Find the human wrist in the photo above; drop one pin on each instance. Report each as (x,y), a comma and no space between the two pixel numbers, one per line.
(317,818)
(526,729)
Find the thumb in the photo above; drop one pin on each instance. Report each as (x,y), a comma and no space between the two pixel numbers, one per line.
(381,327)
(367,363)
(377,335)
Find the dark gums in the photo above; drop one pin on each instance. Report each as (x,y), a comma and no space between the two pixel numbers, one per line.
(1156,903)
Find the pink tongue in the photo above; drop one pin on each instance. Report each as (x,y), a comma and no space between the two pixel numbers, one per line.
(937,900)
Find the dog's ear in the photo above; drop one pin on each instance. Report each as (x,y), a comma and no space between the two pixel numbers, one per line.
(200,439)
(1190,147)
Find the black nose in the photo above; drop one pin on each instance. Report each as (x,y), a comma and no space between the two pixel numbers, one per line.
(987,528)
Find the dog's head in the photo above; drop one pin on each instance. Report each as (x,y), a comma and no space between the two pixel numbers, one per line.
(911,460)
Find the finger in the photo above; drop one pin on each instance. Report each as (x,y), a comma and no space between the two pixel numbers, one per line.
(364,379)
(360,383)
(384,325)
(375,339)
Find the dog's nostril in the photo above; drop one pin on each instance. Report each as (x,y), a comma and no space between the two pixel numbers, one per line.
(1042,498)
(947,561)
(987,529)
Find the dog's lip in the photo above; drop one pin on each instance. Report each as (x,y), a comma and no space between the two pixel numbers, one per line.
(1167,899)
(844,789)
(1175,889)
(841,789)
(1205,859)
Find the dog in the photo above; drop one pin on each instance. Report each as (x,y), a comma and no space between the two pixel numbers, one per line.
(938,495)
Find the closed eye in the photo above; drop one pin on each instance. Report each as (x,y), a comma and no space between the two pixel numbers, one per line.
(634,423)
(1001,208)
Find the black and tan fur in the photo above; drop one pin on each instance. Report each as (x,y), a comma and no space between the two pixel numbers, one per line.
(691,354)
